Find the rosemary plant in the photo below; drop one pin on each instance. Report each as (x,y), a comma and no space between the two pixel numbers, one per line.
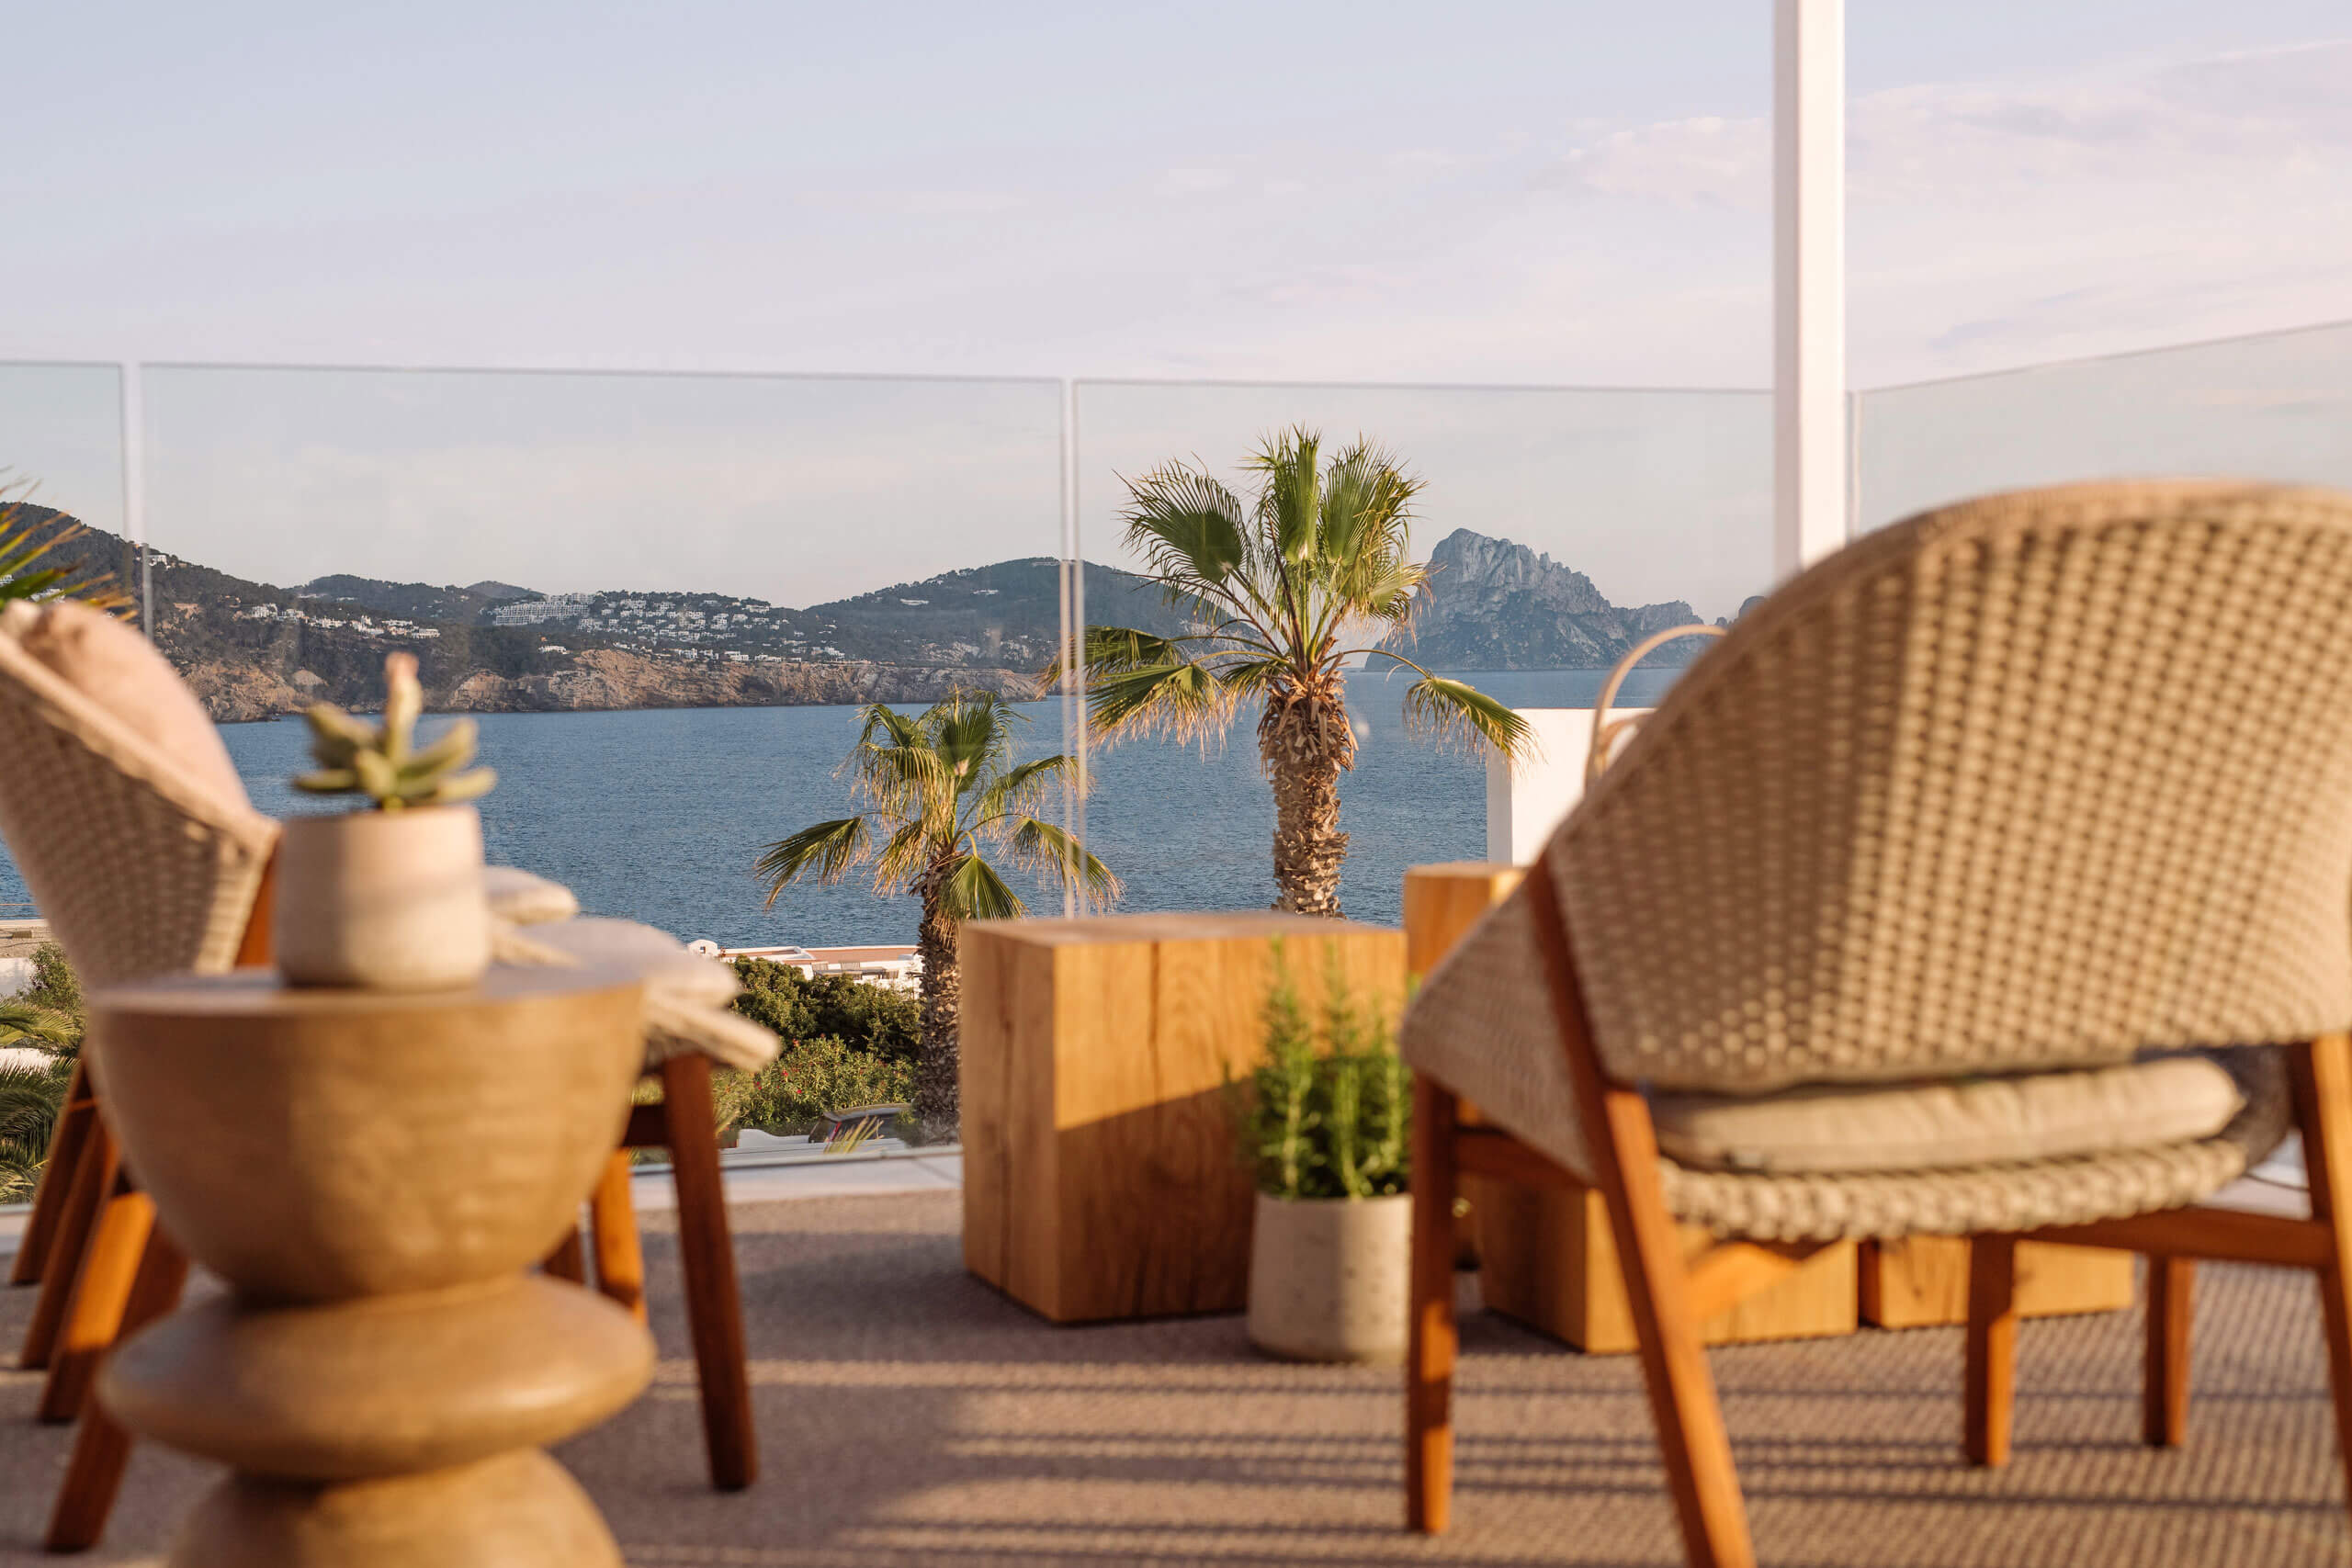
(1328,1110)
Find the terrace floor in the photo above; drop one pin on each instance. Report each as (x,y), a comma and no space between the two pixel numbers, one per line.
(909,1415)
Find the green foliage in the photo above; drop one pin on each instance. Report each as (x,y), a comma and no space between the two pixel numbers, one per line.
(56,989)
(32,1096)
(1328,1110)
(1279,589)
(382,760)
(814,1077)
(939,787)
(865,1017)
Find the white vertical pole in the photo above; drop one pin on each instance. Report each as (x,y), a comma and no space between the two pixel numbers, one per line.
(134,485)
(1073,617)
(1809,464)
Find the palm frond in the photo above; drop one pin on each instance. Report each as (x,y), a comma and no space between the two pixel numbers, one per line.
(1021,788)
(904,854)
(1454,714)
(825,851)
(973,891)
(22,546)
(1290,494)
(21,1021)
(1042,846)
(1185,701)
(1190,528)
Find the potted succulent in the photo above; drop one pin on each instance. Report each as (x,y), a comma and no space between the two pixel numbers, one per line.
(1327,1123)
(388,896)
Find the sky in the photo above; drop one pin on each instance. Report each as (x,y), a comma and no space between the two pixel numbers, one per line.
(1522,195)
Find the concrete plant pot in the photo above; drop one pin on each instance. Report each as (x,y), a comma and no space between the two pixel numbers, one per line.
(1327,1278)
(389,900)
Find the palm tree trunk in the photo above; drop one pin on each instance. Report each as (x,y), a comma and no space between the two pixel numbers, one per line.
(1304,742)
(937,1107)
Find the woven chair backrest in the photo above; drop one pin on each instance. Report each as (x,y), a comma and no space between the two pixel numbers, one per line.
(138,870)
(2044,778)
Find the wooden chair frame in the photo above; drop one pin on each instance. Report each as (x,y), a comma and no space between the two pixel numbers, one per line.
(106,1270)
(1671,1296)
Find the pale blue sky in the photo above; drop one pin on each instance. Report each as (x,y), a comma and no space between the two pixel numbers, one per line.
(1531,194)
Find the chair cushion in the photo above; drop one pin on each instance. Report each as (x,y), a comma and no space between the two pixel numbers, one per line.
(671,974)
(522,899)
(119,669)
(1950,1122)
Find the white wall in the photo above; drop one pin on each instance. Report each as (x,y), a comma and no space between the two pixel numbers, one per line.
(1523,805)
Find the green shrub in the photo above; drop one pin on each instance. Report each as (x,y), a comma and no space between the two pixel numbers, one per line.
(57,989)
(1328,1110)
(861,1015)
(811,1077)
(32,1096)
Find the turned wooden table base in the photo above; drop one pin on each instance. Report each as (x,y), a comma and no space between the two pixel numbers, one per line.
(373,1174)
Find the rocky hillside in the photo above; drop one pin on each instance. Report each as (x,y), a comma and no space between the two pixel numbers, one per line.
(252,650)
(1496,605)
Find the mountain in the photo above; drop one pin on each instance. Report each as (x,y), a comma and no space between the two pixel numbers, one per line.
(1493,604)
(420,600)
(254,650)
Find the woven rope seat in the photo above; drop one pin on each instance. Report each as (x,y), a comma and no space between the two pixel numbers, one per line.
(2044,781)
(138,870)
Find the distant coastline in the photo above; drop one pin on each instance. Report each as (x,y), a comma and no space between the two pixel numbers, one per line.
(252,650)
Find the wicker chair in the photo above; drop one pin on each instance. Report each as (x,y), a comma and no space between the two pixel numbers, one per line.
(2041,782)
(141,872)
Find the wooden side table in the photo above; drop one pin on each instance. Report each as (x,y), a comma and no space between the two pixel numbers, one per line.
(373,1173)
(1101,1172)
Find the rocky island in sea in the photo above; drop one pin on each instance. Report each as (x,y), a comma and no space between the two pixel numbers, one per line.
(252,650)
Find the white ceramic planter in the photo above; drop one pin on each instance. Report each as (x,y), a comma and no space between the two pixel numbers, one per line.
(1327,1278)
(391,900)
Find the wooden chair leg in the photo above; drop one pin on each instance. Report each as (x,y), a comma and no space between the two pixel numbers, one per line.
(714,1309)
(567,1261)
(1623,1144)
(93,1312)
(1433,1342)
(2321,1074)
(102,1448)
(56,1180)
(1991,1375)
(612,1225)
(93,1177)
(2163,1393)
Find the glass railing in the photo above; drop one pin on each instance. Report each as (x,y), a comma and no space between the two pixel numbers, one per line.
(2274,407)
(61,448)
(664,596)
(1564,524)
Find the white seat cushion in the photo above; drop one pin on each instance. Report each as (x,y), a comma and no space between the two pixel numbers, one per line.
(1948,1122)
(671,974)
(522,899)
(114,666)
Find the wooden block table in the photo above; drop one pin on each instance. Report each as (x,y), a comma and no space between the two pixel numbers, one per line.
(1101,1172)
(1547,1258)
(1922,1280)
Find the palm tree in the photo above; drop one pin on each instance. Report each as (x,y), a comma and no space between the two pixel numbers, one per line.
(1280,592)
(32,1093)
(940,788)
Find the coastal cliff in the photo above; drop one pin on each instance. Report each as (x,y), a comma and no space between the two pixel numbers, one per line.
(1494,604)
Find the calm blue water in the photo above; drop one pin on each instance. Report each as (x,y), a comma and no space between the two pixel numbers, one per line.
(658,815)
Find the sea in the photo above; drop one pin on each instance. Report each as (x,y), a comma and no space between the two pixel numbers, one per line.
(657,815)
